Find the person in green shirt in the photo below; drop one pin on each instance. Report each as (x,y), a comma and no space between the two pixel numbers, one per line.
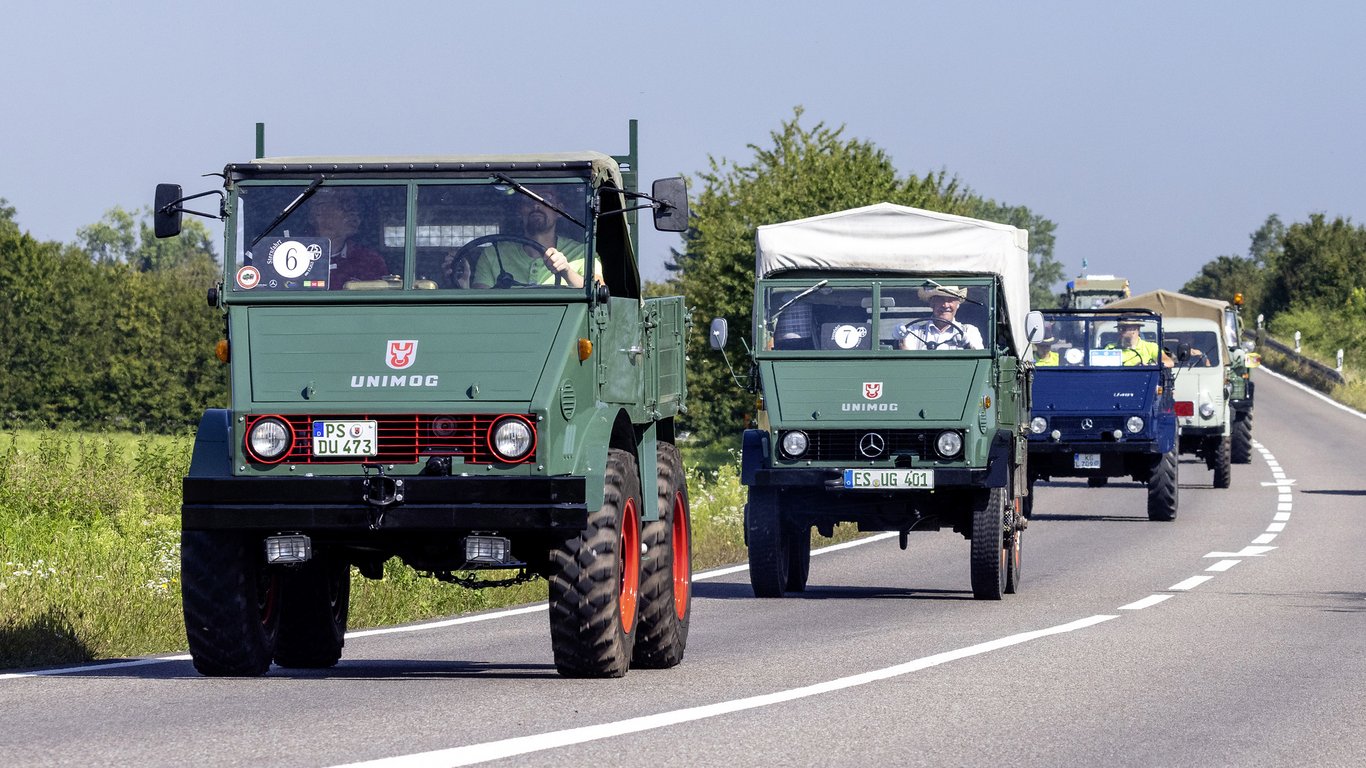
(561,263)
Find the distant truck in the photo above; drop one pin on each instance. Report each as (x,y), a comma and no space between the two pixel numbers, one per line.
(860,425)
(414,375)
(1213,385)
(1094,291)
(1103,411)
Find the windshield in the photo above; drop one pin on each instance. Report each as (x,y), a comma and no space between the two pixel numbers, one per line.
(346,236)
(1099,341)
(849,316)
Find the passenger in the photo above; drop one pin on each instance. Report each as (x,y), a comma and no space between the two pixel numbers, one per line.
(457,271)
(1044,354)
(1137,350)
(336,215)
(941,330)
(560,263)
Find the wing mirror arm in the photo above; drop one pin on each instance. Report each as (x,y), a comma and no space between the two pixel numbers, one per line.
(168,209)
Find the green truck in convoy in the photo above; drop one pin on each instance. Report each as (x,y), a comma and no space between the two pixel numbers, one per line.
(444,359)
(879,405)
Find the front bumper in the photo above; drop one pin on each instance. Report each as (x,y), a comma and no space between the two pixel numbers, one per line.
(408,503)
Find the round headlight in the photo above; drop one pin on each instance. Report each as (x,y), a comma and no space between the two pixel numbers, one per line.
(1207,410)
(1134,424)
(949,444)
(511,438)
(1038,424)
(269,438)
(795,443)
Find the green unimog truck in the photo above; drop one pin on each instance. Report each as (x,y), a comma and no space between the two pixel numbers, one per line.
(444,359)
(868,418)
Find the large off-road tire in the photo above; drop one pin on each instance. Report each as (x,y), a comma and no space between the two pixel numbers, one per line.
(1223,463)
(314,602)
(666,570)
(798,558)
(988,559)
(595,581)
(1163,491)
(768,543)
(1241,449)
(231,602)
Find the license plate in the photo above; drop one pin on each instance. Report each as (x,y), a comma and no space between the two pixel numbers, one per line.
(896,479)
(1086,461)
(344,438)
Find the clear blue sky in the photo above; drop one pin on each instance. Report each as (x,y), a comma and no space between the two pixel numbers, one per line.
(1156,135)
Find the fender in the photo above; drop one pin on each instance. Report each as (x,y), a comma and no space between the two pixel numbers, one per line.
(753,455)
(212,455)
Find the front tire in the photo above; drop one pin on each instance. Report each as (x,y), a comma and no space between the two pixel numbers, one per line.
(231,602)
(314,603)
(988,559)
(595,581)
(1241,450)
(666,572)
(1223,463)
(1163,490)
(768,543)
(798,558)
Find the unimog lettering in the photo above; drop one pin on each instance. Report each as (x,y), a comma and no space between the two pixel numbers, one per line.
(868,406)
(553,458)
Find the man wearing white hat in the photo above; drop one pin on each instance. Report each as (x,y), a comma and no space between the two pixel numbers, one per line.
(940,330)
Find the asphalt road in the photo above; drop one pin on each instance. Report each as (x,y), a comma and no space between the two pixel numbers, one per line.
(1230,637)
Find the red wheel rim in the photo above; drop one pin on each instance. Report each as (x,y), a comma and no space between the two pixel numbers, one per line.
(682,561)
(630,565)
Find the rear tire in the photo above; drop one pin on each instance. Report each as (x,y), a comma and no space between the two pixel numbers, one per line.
(1163,490)
(314,603)
(988,559)
(595,581)
(768,544)
(231,602)
(1223,463)
(666,570)
(1241,450)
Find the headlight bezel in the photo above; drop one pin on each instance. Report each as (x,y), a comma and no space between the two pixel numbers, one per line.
(1038,425)
(1134,424)
(949,444)
(270,448)
(516,427)
(801,443)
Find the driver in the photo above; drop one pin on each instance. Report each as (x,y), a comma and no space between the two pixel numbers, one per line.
(560,261)
(940,330)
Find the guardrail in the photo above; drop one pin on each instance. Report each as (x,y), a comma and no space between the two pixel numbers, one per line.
(1304,369)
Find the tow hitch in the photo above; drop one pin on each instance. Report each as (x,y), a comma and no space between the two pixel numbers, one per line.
(380,492)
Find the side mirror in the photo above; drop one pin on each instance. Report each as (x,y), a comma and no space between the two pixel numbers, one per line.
(1183,353)
(1034,329)
(719,333)
(671,204)
(166,211)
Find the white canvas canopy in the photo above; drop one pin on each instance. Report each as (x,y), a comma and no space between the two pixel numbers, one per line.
(900,240)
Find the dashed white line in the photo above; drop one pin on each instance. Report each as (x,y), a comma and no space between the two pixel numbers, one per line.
(1265,538)
(1146,602)
(1189,584)
(1223,565)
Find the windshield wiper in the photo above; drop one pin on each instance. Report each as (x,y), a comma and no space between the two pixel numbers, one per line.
(294,204)
(517,185)
(773,319)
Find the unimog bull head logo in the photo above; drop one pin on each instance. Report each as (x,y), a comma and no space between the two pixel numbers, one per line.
(872,390)
(402,354)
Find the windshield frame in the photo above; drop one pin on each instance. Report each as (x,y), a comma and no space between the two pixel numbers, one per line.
(1096,325)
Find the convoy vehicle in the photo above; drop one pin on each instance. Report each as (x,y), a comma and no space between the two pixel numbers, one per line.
(1103,411)
(1094,291)
(1210,377)
(483,435)
(855,428)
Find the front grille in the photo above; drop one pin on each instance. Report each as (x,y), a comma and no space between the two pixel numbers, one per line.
(1071,426)
(403,438)
(843,444)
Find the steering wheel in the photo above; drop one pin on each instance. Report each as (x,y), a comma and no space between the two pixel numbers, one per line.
(505,279)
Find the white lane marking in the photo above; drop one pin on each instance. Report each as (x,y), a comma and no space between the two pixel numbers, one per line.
(1223,565)
(1189,584)
(1278,483)
(1282,516)
(521,745)
(503,614)
(1283,507)
(1314,392)
(1265,538)
(1146,602)
(1275,527)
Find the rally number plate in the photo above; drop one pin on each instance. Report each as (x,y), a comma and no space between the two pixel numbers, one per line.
(883,479)
(344,438)
(1086,461)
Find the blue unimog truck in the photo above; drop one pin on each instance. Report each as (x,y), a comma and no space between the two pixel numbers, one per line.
(1103,404)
